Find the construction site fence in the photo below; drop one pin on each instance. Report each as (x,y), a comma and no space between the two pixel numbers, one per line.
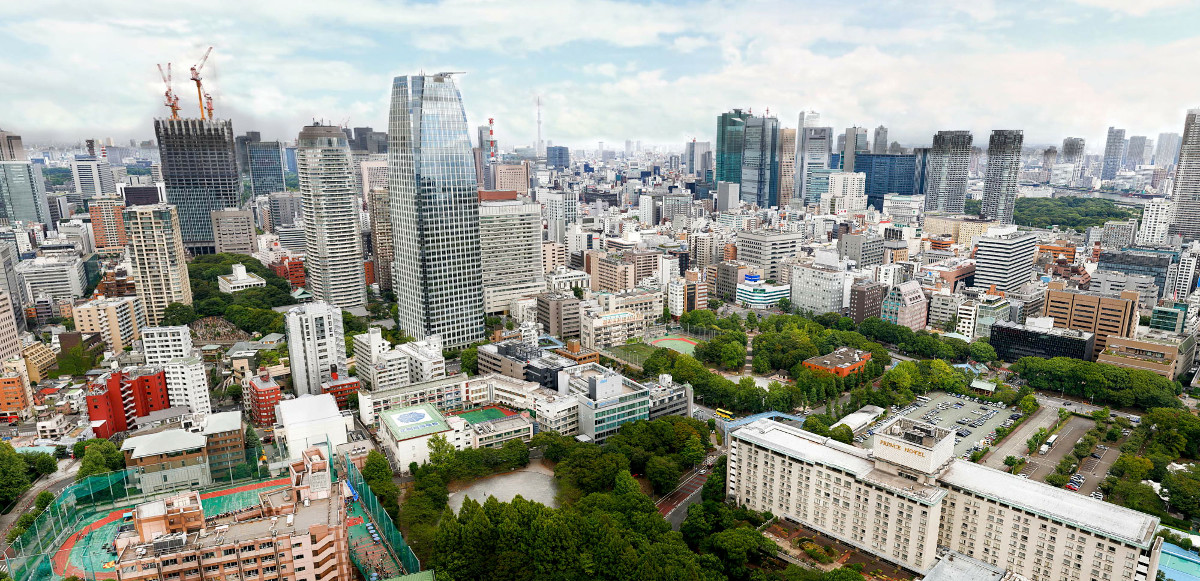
(383,521)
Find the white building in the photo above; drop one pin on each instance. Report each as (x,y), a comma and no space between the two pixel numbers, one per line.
(562,209)
(767,249)
(187,384)
(56,276)
(239,280)
(510,240)
(909,496)
(905,210)
(1004,257)
(757,294)
(332,245)
(606,329)
(818,289)
(316,345)
(1157,216)
(847,194)
(158,258)
(93,178)
(563,279)
(162,344)
(311,420)
(118,319)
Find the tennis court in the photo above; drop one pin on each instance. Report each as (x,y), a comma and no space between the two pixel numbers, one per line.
(484,414)
(680,343)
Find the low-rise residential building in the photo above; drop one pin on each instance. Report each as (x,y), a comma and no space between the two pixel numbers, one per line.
(39,360)
(905,305)
(261,396)
(603,330)
(168,459)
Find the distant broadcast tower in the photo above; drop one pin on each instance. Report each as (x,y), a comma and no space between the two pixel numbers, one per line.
(491,141)
(541,150)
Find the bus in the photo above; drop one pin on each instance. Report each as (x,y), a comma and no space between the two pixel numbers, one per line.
(1051,440)
(723,414)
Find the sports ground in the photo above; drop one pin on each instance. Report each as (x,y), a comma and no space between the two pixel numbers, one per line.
(83,554)
(680,343)
(484,414)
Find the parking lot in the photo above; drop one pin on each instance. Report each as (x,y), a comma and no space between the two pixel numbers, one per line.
(974,421)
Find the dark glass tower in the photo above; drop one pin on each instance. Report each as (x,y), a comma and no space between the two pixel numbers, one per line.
(200,170)
(731,139)
(435,212)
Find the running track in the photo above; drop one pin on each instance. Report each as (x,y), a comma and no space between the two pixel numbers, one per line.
(62,557)
(688,341)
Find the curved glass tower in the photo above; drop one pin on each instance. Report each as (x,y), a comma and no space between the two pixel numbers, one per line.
(435,212)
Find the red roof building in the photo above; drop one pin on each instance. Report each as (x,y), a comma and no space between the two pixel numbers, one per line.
(341,388)
(117,398)
(842,362)
(290,268)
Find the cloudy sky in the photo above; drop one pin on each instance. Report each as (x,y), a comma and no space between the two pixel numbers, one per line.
(610,70)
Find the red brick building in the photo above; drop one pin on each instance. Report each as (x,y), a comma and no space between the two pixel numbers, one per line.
(842,362)
(263,395)
(116,398)
(290,268)
(341,388)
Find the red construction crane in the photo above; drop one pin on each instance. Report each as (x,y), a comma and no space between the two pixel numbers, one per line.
(172,102)
(196,77)
(208,104)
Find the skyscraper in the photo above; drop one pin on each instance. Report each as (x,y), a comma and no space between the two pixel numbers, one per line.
(93,177)
(1187,179)
(1003,171)
(11,148)
(1136,154)
(1072,150)
(107,214)
(886,174)
(880,145)
(855,142)
(946,172)
(693,157)
(731,140)
(787,165)
(200,171)
(1167,151)
(760,162)
(558,157)
(332,250)
(813,150)
(510,235)
(562,210)
(316,344)
(23,193)
(435,221)
(382,243)
(156,252)
(1114,152)
(265,164)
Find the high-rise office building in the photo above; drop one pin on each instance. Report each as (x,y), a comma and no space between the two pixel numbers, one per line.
(854,142)
(234,232)
(562,210)
(200,171)
(886,174)
(946,166)
(1136,152)
(23,194)
(11,148)
(814,148)
(93,177)
(787,165)
(1072,150)
(332,245)
(382,241)
(510,237)
(240,150)
(157,255)
(694,157)
(1003,171)
(435,221)
(265,164)
(731,141)
(880,144)
(760,162)
(1157,217)
(286,209)
(107,214)
(511,177)
(558,157)
(1167,151)
(1187,179)
(1114,153)
(1004,258)
(316,344)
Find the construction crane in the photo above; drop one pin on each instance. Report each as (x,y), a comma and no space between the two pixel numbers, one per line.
(196,77)
(172,102)
(208,104)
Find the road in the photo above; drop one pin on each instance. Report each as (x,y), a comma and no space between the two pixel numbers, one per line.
(1079,406)
(674,505)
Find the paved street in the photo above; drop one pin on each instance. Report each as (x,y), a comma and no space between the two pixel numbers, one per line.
(674,505)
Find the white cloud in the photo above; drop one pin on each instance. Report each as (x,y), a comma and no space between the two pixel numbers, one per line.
(1134,7)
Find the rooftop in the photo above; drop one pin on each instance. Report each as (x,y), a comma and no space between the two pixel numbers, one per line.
(958,567)
(308,408)
(414,422)
(223,422)
(163,442)
(841,357)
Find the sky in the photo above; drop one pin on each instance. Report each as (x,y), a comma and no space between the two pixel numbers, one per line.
(611,70)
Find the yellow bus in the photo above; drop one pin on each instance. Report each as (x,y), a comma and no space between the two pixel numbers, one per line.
(726,414)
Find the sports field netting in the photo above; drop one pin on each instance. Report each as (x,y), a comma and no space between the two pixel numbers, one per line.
(485,414)
(392,539)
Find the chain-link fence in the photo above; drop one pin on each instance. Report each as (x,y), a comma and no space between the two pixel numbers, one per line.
(383,521)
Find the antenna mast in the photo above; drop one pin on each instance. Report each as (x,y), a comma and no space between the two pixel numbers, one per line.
(540,150)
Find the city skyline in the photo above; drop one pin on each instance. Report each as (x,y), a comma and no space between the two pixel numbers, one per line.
(608,82)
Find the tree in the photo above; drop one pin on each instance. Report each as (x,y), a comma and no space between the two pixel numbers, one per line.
(234,392)
(817,424)
(578,292)
(14,478)
(663,473)
(470,360)
(842,434)
(981,350)
(44,499)
(785,305)
(1029,404)
(40,463)
(692,453)
(113,457)
(178,314)
(376,468)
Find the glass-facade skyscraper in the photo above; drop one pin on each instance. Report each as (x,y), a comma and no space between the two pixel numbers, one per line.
(731,140)
(1187,179)
(23,194)
(435,211)
(200,170)
(1114,152)
(760,162)
(264,161)
(887,174)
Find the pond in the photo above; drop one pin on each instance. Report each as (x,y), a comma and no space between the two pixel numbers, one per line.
(531,483)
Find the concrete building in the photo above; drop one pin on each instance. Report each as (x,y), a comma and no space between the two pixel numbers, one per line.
(842,362)
(239,280)
(107,214)
(435,221)
(759,294)
(510,177)
(332,246)
(187,384)
(562,210)
(559,314)
(1161,352)
(285,209)
(1157,217)
(908,496)
(57,276)
(1004,258)
(118,320)
(905,305)
(866,300)
(606,329)
(261,397)
(316,345)
(607,400)
(510,234)
(162,344)
(1094,313)
(1003,171)
(818,289)
(1118,233)
(768,248)
(199,168)
(310,421)
(233,231)
(846,194)
(945,172)
(1039,338)
(11,147)
(93,178)
(156,252)
(168,459)
(866,250)
(383,367)
(1186,194)
(117,398)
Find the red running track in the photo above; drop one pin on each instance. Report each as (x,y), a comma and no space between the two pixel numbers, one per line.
(62,557)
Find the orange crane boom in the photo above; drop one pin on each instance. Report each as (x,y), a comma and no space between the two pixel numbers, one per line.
(171,101)
(196,77)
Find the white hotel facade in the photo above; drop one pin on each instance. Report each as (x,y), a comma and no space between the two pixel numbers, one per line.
(909,497)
